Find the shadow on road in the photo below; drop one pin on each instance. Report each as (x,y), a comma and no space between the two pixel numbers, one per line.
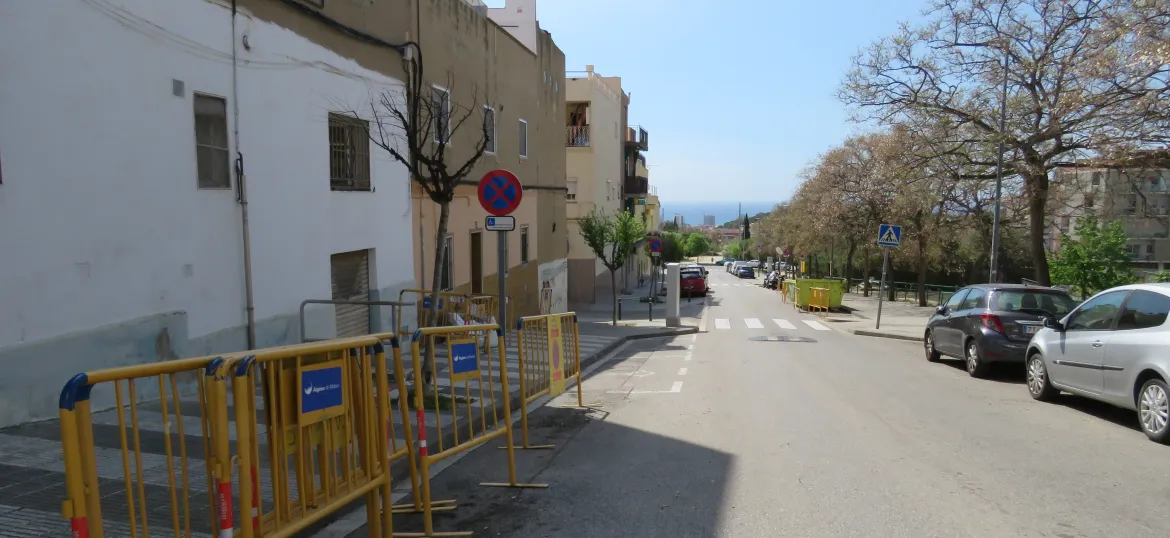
(1009,373)
(605,479)
(1121,417)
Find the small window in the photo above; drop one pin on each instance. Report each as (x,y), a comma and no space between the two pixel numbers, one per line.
(1065,224)
(1144,310)
(489,127)
(523,138)
(441,115)
(523,244)
(956,300)
(212,157)
(976,298)
(1096,179)
(1097,313)
(1089,201)
(445,276)
(571,189)
(349,153)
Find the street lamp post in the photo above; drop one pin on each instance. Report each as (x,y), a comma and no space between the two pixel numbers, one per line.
(994,277)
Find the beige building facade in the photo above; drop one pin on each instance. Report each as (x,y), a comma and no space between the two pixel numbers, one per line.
(593,140)
(1136,192)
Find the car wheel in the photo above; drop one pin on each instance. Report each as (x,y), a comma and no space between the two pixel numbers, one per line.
(976,367)
(932,354)
(1154,410)
(1038,385)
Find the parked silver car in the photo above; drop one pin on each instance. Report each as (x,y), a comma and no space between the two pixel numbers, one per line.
(1114,347)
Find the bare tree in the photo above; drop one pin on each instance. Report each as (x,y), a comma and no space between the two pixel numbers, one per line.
(415,126)
(1071,85)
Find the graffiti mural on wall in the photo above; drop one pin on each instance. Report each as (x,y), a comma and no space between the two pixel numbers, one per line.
(554,275)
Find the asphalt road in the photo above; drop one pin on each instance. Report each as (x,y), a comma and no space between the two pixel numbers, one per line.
(817,434)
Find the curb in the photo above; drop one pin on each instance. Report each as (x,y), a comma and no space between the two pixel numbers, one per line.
(875,334)
(401,472)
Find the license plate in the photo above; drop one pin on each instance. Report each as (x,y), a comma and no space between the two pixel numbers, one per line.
(1031,329)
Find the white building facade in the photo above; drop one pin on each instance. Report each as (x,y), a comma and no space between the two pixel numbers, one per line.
(120,220)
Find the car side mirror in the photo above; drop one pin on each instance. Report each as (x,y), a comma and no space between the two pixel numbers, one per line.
(942,309)
(1053,323)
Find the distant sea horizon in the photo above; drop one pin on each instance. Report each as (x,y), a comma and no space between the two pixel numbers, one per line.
(693,212)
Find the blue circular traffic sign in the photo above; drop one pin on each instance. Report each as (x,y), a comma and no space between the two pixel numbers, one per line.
(655,245)
(500,192)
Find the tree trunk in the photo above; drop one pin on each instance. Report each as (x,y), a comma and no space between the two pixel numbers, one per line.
(614,291)
(1037,198)
(849,263)
(921,270)
(866,266)
(423,380)
(891,289)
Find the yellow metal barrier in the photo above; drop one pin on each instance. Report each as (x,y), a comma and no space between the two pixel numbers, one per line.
(784,291)
(325,411)
(466,361)
(818,301)
(549,350)
(449,303)
(197,486)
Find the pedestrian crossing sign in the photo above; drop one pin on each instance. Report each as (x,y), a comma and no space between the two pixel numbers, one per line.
(889,235)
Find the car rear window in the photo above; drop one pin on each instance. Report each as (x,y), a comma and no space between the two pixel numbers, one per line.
(691,274)
(1040,302)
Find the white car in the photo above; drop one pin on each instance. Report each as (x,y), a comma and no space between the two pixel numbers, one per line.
(1115,348)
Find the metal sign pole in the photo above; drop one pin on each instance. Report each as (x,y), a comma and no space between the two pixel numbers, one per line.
(502,239)
(882,286)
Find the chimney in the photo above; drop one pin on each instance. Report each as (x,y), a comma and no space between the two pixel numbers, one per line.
(589,69)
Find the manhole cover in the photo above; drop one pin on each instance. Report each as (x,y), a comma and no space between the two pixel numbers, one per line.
(794,339)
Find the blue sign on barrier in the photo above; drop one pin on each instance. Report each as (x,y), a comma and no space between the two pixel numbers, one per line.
(321,389)
(464,359)
(427,302)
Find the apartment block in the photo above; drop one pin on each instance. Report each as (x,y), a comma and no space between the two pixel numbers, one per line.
(1135,191)
(499,63)
(594,143)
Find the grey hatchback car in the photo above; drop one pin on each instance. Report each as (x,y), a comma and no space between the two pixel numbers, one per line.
(989,323)
(1112,348)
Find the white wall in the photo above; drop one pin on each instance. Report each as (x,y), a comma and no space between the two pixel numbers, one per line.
(105,237)
(518,17)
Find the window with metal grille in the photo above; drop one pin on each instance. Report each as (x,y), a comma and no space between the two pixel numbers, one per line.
(350,279)
(571,189)
(523,244)
(523,138)
(489,125)
(445,276)
(441,115)
(212,157)
(349,153)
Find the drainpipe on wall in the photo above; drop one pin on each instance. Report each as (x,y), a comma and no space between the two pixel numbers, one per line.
(242,186)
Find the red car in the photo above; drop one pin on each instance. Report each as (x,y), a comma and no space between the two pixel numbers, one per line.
(694,282)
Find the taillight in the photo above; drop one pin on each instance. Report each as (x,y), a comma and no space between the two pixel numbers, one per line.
(991,321)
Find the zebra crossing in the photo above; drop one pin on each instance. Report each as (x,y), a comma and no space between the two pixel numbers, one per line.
(725,324)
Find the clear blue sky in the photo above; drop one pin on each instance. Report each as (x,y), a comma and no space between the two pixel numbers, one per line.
(738,95)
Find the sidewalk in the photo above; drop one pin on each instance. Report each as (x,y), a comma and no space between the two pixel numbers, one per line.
(637,313)
(33,486)
(900,320)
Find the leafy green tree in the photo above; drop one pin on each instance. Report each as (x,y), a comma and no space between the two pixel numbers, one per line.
(697,244)
(1095,259)
(670,226)
(1162,276)
(672,247)
(612,239)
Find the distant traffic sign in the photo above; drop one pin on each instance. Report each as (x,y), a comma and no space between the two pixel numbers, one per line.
(500,192)
(655,245)
(787,252)
(889,235)
(500,224)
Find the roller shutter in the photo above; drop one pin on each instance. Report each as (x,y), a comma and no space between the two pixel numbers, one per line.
(351,282)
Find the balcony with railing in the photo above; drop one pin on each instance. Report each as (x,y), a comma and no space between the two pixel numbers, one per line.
(637,186)
(638,137)
(577,136)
